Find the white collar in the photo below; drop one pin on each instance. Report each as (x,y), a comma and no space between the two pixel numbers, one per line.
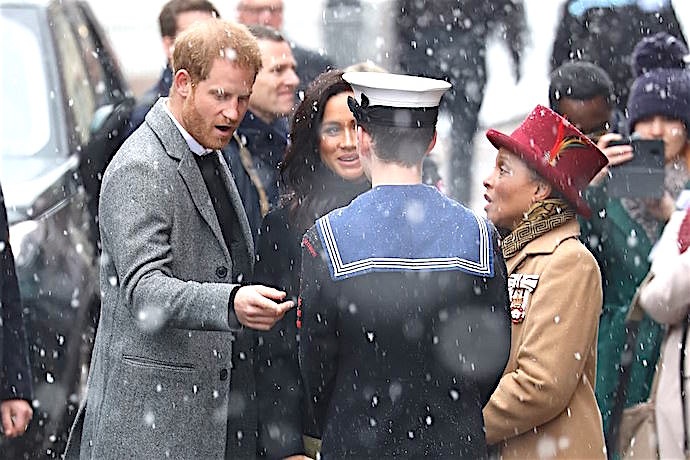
(193,144)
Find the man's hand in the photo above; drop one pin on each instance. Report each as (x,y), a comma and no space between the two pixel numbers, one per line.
(616,155)
(16,415)
(256,306)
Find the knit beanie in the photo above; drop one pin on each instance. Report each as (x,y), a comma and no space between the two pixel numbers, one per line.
(662,83)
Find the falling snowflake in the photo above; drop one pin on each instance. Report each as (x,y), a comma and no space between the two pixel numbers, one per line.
(150,419)
(394,391)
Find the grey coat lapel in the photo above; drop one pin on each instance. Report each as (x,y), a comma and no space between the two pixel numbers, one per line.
(176,147)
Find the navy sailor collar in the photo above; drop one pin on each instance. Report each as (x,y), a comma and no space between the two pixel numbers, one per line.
(405,228)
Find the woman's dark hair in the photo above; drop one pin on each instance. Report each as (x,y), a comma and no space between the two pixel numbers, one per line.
(312,190)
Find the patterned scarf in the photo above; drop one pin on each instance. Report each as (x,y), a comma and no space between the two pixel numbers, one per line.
(542,217)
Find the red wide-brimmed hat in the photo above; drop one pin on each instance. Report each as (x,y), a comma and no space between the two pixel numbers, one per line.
(558,151)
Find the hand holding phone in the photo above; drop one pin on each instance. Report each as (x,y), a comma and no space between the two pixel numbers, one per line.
(616,150)
(642,175)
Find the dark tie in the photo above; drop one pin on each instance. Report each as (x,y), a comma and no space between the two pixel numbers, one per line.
(228,220)
(684,233)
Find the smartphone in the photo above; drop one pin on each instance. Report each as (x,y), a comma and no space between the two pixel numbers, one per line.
(641,177)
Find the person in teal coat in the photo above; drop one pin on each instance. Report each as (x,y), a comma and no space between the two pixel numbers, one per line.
(621,246)
(623,231)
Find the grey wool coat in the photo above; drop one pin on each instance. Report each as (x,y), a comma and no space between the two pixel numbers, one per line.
(161,378)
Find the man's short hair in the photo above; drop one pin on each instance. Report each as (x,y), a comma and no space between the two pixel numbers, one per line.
(266,33)
(167,19)
(404,146)
(197,48)
(579,80)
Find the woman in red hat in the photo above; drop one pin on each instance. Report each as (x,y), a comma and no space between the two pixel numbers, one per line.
(544,405)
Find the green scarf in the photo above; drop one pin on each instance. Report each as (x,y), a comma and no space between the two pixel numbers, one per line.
(542,217)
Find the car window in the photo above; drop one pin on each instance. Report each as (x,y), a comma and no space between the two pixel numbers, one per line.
(90,52)
(81,99)
(25,109)
(96,74)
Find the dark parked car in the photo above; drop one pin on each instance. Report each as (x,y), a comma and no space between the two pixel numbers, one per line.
(64,104)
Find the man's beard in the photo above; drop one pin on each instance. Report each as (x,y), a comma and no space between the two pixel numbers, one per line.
(199,128)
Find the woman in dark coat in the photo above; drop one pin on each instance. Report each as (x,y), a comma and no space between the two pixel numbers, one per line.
(321,172)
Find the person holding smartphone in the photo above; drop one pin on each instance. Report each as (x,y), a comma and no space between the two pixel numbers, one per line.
(623,230)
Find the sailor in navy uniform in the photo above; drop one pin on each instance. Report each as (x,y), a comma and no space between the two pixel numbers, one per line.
(404,313)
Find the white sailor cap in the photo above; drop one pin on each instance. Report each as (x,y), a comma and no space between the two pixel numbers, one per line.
(393,90)
(395,100)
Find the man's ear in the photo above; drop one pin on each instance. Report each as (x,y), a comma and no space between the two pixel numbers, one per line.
(182,83)
(432,144)
(363,141)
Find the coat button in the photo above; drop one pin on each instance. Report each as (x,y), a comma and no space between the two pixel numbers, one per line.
(221,272)
(223,374)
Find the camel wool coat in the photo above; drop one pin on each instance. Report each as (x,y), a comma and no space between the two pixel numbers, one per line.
(544,406)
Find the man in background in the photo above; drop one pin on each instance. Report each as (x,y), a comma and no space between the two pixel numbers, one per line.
(583,93)
(270,13)
(175,17)
(259,144)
